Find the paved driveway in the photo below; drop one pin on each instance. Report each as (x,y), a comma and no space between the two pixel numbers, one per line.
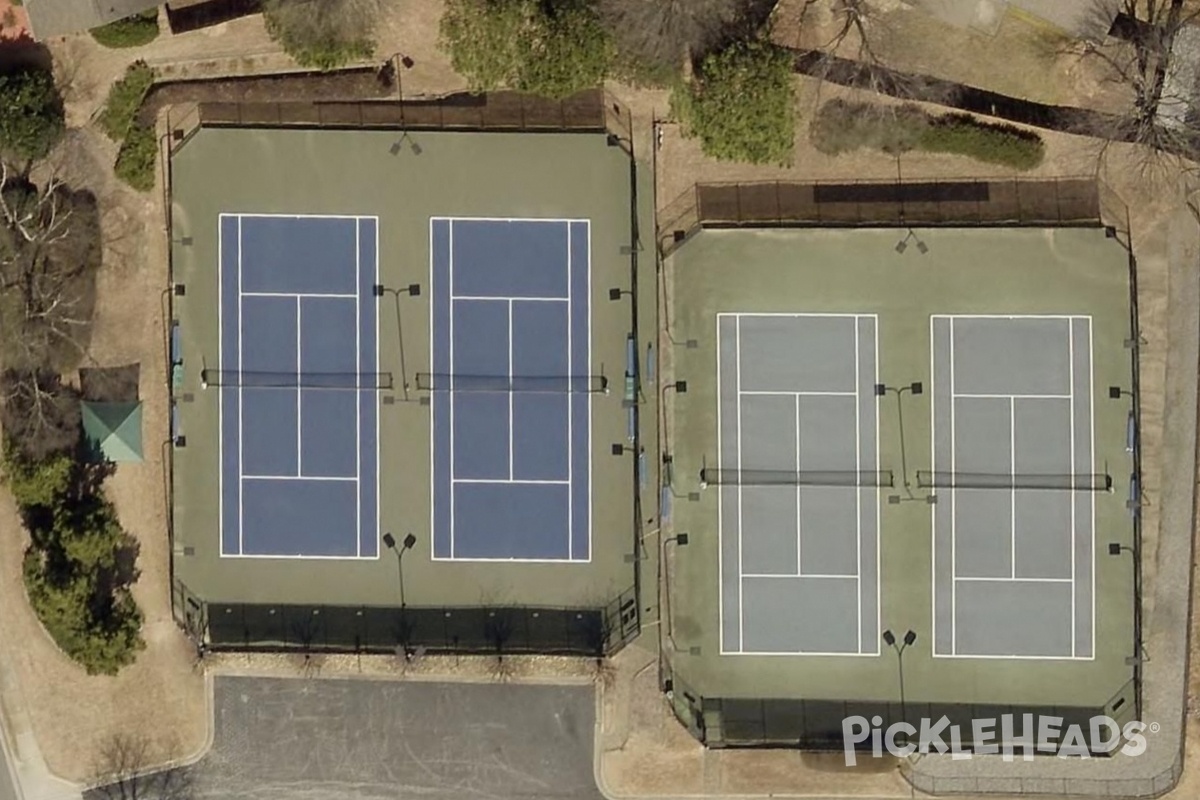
(362,740)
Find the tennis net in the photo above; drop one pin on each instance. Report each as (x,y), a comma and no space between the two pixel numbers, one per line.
(1083,482)
(296,380)
(804,477)
(547,384)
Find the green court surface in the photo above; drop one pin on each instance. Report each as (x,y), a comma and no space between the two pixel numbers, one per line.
(382,174)
(1042,615)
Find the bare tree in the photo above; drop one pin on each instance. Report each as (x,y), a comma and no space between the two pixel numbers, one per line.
(49,255)
(845,41)
(124,772)
(1153,53)
(655,37)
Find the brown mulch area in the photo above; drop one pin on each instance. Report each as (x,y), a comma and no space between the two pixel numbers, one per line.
(360,83)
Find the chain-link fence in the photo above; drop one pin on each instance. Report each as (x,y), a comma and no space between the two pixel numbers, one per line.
(1056,201)
(586,111)
(387,629)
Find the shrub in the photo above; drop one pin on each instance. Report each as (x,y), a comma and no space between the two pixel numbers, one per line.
(992,143)
(31,113)
(740,104)
(549,50)
(124,100)
(324,34)
(136,158)
(132,31)
(80,564)
(841,126)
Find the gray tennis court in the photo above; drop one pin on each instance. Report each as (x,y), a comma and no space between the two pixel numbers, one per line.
(799,557)
(1015,482)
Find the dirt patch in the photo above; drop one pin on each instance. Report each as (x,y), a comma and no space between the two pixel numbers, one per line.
(14,23)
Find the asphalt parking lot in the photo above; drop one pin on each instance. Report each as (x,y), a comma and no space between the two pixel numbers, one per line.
(361,740)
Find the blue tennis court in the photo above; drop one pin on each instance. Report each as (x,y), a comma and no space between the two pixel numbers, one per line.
(298,381)
(511,389)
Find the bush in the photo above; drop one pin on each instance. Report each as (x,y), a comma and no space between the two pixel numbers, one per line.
(740,104)
(124,100)
(549,50)
(132,31)
(81,563)
(136,158)
(324,34)
(841,126)
(991,143)
(31,113)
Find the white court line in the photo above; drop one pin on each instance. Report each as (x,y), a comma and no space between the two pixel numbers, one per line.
(241,450)
(858,470)
(817,575)
(375,401)
(508,560)
(1091,538)
(357,394)
(570,411)
(933,552)
(516,481)
(953,509)
(740,314)
(453,220)
(450,398)
(779,393)
(503,298)
(1074,530)
(878,494)
(969,656)
(1004,316)
(256,215)
(297,557)
(587,397)
(967,579)
(299,404)
(957,395)
(321,295)
(721,589)
(221,391)
(433,473)
(510,394)
(799,533)
(737,329)
(1012,495)
(323,478)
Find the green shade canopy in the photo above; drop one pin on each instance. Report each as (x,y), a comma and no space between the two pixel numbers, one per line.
(114,430)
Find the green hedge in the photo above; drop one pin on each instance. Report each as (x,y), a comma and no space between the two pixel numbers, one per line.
(80,565)
(124,100)
(842,126)
(740,104)
(132,31)
(135,160)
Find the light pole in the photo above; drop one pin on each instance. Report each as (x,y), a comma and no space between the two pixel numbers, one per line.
(412,290)
(916,389)
(890,640)
(400,549)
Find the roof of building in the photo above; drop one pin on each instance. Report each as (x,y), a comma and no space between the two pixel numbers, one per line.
(50,18)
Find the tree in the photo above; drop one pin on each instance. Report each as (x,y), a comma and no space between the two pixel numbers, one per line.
(1159,77)
(553,49)
(740,104)
(654,39)
(324,34)
(39,414)
(31,113)
(124,772)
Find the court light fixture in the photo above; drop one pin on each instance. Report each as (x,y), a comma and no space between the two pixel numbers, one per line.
(679,387)
(680,539)
(398,145)
(1115,548)
(915,388)
(1116,393)
(616,293)
(902,245)
(412,290)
